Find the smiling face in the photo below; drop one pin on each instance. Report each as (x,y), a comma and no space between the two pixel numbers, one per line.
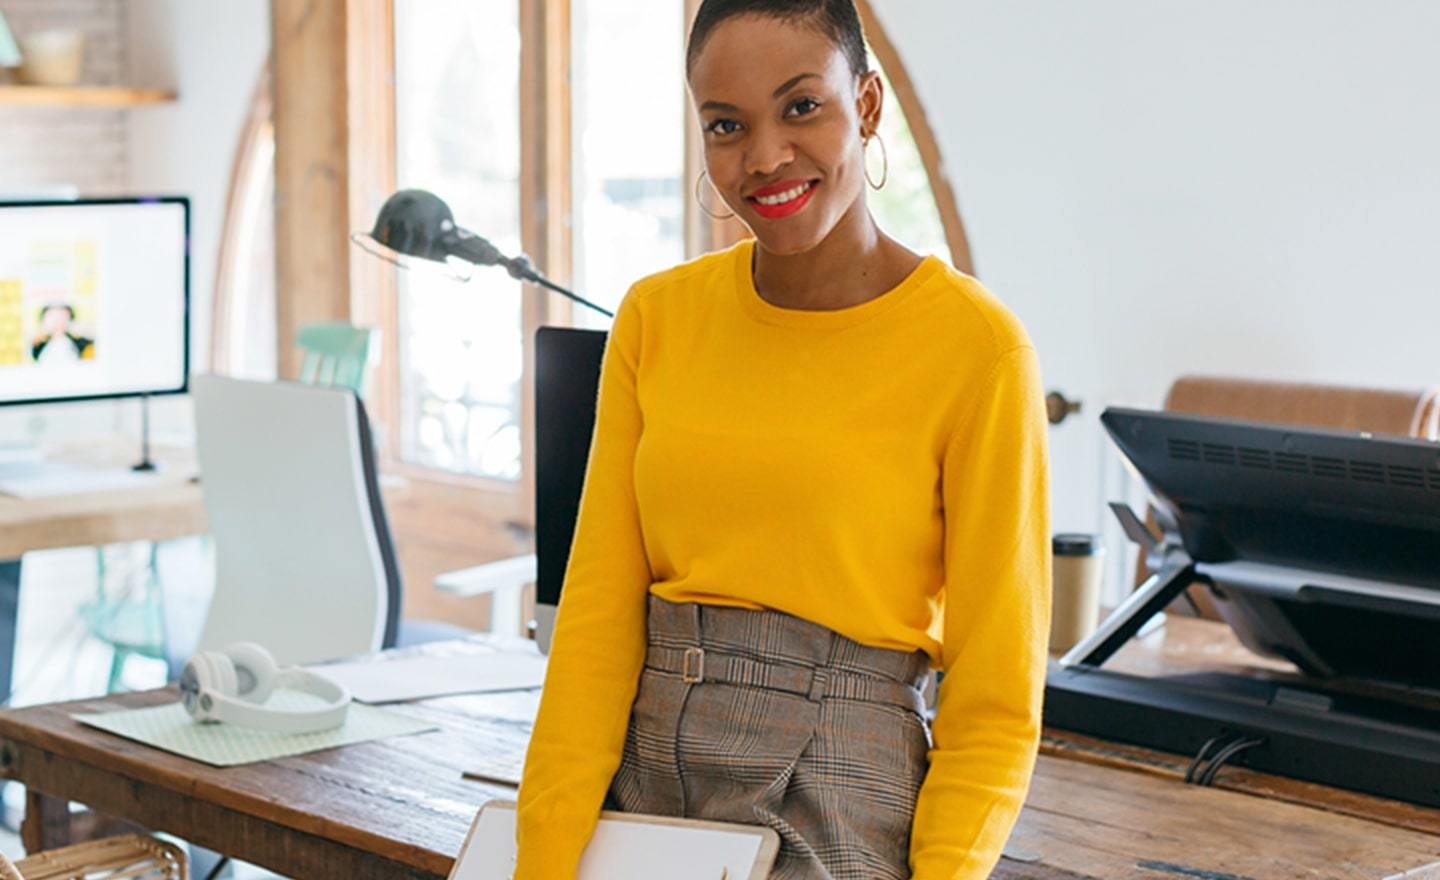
(55,320)
(781,116)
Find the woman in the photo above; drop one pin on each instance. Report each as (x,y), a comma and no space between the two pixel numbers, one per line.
(818,471)
(57,343)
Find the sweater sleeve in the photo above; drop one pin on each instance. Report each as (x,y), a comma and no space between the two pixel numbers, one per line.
(995,494)
(598,647)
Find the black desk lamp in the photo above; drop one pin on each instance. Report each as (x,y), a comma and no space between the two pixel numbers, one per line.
(417,225)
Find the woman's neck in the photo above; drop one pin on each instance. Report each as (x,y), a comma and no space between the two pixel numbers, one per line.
(855,263)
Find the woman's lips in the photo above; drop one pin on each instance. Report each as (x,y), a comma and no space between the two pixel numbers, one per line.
(785,208)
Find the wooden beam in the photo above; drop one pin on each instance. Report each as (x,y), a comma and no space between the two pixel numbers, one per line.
(374,287)
(312,168)
(545,200)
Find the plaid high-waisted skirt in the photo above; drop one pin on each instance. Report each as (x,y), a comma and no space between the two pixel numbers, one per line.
(762,718)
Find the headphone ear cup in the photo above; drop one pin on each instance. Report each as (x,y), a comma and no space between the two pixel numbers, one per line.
(220,672)
(254,669)
(207,673)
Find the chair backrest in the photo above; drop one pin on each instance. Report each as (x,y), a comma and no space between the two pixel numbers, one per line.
(1379,411)
(336,354)
(304,560)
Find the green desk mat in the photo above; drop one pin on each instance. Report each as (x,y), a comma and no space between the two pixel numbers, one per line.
(168,727)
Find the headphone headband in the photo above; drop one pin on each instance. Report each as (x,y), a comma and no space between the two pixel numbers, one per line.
(209,688)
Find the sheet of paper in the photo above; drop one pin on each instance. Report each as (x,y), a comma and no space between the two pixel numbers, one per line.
(168,727)
(418,678)
(627,848)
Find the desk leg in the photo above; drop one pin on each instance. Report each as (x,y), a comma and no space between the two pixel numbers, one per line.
(47,823)
(9,612)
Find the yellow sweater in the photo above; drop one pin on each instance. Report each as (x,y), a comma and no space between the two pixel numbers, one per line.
(878,469)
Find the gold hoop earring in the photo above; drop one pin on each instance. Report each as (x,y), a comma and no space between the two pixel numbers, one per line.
(701,202)
(884,157)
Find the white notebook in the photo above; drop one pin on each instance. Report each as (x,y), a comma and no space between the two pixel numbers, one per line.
(629,847)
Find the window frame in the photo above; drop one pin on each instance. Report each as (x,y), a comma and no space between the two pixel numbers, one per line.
(544,192)
(256,145)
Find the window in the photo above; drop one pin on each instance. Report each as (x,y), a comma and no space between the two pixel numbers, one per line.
(242,341)
(458,136)
(629,145)
(905,207)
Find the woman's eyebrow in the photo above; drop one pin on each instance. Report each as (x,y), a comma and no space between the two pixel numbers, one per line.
(785,87)
(792,82)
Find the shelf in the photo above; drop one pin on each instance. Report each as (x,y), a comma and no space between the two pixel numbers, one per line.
(81,96)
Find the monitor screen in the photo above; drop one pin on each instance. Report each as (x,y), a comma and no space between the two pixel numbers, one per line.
(1319,546)
(567,379)
(94,299)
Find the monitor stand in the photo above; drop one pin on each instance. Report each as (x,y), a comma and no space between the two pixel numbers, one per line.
(1292,726)
(145,464)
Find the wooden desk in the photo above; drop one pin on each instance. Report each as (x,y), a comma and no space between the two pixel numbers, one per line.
(1281,828)
(393,808)
(172,507)
(398,808)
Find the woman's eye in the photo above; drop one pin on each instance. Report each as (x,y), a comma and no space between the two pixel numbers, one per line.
(719,126)
(805,106)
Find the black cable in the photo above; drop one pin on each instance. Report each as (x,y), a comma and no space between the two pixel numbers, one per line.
(219,866)
(1224,755)
(1205,750)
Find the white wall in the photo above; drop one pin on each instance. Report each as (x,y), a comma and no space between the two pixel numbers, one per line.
(1241,187)
(211,52)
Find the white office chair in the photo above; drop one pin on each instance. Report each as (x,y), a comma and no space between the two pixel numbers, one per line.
(303,557)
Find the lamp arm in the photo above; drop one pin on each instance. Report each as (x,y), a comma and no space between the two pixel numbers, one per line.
(535,277)
(472,248)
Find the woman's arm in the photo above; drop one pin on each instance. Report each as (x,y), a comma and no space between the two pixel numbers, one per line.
(995,491)
(599,644)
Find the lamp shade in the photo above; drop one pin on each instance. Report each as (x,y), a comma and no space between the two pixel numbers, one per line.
(412,223)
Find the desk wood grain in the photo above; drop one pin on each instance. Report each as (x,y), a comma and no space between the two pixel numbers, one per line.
(399,807)
(1092,821)
(391,808)
(1187,645)
(156,513)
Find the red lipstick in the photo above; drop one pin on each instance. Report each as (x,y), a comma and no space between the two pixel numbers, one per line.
(782,209)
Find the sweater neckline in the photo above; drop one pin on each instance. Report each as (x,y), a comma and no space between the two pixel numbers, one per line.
(762,310)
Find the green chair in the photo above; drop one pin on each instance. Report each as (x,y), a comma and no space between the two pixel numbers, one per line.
(336,355)
(128,615)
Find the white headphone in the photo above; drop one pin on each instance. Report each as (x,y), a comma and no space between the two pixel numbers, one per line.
(232,685)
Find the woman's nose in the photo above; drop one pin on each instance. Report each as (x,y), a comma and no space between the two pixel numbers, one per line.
(769,151)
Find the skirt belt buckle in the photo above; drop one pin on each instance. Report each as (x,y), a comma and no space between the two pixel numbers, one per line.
(692,671)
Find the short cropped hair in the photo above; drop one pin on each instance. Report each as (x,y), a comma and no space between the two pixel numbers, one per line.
(837,19)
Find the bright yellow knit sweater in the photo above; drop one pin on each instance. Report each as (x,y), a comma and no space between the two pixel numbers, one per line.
(878,469)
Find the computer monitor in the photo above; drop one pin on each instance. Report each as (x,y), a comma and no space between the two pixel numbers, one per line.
(567,381)
(1321,547)
(94,299)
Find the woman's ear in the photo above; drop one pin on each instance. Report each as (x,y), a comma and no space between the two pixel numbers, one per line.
(869,102)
